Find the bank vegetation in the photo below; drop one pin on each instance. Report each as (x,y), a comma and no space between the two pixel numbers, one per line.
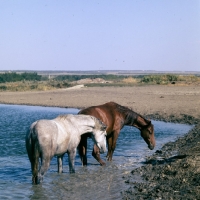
(33,81)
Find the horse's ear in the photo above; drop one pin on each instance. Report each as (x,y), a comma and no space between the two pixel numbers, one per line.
(104,126)
(136,126)
(148,125)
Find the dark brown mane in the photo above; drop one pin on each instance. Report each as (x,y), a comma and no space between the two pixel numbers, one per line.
(130,115)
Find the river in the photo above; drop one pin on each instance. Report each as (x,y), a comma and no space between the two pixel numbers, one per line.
(91,182)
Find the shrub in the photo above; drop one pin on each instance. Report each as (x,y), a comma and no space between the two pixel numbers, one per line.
(3,87)
(14,77)
(159,79)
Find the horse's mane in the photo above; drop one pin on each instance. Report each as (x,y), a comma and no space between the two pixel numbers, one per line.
(99,124)
(130,115)
(124,109)
(62,117)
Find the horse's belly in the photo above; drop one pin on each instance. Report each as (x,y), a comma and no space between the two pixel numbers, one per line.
(61,149)
(66,141)
(64,147)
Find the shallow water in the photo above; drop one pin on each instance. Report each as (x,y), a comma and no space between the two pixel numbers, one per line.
(91,182)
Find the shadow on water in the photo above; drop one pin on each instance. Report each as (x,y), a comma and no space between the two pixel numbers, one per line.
(91,182)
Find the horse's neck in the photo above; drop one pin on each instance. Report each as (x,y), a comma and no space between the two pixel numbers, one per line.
(78,124)
(141,122)
(85,127)
(136,120)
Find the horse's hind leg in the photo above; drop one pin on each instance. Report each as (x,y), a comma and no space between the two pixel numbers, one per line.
(34,167)
(45,162)
(111,141)
(71,159)
(34,159)
(83,150)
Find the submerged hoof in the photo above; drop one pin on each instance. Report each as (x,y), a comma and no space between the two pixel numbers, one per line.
(84,162)
(103,163)
(109,158)
(36,180)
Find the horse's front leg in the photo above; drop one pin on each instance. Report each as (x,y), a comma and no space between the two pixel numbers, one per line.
(71,158)
(96,155)
(109,142)
(112,140)
(60,163)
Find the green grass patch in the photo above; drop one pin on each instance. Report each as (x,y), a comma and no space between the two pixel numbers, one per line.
(168,78)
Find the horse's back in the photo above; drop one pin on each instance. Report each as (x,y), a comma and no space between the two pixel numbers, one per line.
(44,129)
(107,113)
(98,111)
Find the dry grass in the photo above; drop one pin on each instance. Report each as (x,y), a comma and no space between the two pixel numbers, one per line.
(33,85)
(130,80)
(182,80)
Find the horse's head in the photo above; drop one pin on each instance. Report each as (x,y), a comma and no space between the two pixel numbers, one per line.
(99,135)
(147,132)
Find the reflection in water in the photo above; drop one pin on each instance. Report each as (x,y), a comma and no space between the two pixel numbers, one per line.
(91,182)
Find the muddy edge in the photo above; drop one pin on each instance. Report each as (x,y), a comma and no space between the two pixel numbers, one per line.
(173,172)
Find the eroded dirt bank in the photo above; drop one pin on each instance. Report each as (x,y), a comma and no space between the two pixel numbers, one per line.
(171,173)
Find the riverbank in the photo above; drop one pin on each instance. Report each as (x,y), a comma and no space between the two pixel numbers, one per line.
(164,101)
(171,173)
(174,171)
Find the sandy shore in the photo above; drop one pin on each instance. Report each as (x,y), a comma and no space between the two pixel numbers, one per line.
(173,176)
(146,100)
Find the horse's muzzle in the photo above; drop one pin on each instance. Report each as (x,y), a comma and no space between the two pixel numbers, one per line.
(102,149)
(151,147)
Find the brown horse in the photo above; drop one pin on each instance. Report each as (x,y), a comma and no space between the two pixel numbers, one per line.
(115,117)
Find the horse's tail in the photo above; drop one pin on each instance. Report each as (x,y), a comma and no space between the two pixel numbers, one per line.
(33,150)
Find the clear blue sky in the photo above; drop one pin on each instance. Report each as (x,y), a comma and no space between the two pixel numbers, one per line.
(100,35)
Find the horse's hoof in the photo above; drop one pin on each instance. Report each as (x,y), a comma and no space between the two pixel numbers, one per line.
(102,163)
(109,158)
(38,180)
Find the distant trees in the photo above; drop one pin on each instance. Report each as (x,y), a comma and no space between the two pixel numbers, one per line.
(13,77)
(160,79)
(71,78)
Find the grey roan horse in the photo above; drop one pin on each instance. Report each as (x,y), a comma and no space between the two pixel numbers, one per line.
(48,138)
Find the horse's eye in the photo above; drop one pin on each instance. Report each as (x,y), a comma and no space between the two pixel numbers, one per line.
(149,132)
